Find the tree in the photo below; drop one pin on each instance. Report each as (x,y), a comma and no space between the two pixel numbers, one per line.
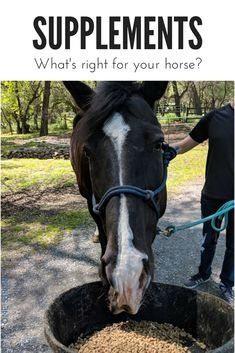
(7,119)
(32,105)
(45,109)
(17,98)
(179,95)
(195,99)
(36,112)
(24,103)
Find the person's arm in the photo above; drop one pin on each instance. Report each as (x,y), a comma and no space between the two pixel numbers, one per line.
(198,134)
(185,145)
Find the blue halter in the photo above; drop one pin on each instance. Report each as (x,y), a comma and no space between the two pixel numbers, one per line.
(148,195)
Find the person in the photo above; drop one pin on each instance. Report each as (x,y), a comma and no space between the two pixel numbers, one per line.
(218,127)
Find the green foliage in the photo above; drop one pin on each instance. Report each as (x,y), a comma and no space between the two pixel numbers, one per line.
(22,100)
(211,94)
(17,99)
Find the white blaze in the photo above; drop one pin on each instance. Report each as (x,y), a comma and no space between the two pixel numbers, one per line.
(129,260)
(116,129)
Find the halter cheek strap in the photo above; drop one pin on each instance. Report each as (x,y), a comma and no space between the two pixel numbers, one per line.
(148,195)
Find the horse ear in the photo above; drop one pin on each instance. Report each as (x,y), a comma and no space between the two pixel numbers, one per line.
(153,90)
(80,92)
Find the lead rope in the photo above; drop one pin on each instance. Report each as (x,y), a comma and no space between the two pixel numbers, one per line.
(218,215)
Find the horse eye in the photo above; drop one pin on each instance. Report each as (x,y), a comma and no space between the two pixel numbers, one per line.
(157,147)
(145,264)
(87,151)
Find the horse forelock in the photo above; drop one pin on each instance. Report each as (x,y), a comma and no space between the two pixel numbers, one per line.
(110,97)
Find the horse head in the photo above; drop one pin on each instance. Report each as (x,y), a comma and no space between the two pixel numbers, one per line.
(117,141)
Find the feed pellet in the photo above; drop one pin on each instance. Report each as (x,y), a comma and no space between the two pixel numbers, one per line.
(139,337)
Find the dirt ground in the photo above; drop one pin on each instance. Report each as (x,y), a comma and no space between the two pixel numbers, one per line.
(32,277)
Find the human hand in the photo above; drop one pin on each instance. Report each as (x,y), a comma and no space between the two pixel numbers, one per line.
(169,152)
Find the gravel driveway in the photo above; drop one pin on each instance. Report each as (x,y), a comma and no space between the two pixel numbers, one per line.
(33,278)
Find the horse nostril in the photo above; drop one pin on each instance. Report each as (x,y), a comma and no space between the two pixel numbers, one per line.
(126,308)
(112,308)
(115,294)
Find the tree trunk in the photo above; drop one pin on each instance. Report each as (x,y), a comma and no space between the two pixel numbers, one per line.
(23,115)
(8,121)
(45,109)
(224,95)
(36,114)
(10,127)
(17,120)
(25,126)
(196,100)
(176,98)
(18,128)
(35,120)
(65,123)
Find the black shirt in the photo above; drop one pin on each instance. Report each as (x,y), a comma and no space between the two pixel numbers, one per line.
(218,127)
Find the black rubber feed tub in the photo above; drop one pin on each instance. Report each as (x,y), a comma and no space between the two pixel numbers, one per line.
(84,309)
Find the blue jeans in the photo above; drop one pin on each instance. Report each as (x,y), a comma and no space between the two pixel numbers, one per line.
(209,206)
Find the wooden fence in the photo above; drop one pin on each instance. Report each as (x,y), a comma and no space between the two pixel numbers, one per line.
(180,113)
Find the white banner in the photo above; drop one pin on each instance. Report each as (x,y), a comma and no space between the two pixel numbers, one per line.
(71,40)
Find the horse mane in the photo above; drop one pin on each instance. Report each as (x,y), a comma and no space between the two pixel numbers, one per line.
(110,97)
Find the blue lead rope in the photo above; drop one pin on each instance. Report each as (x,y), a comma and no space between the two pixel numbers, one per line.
(218,215)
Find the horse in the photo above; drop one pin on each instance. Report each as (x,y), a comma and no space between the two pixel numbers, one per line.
(116,154)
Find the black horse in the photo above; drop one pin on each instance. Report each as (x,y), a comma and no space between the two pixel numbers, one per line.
(117,141)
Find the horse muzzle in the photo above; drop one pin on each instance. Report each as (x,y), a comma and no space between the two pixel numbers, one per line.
(128,300)
(121,304)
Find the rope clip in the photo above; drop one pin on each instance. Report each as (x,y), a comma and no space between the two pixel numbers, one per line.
(168,231)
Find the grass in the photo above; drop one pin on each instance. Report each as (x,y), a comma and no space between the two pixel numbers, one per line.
(13,142)
(39,225)
(22,174)
(5,137)
(172,118)
(45,226)
(41,228)
(187,168)
(56,128)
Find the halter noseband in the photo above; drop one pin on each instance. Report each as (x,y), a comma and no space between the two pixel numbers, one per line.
(148,195)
